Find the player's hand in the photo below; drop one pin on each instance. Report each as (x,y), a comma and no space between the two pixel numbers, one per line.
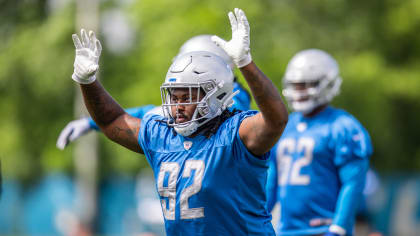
(238,47)
(72,131)
(335,230)
(88,51)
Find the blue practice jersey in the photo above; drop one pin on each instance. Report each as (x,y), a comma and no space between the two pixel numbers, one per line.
(207,186)
(321,168)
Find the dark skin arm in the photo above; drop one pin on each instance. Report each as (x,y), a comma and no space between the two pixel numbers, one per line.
(260,133)
(113,121)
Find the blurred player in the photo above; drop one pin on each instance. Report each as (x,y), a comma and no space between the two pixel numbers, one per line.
(242,100)
(365,224)
(322,156)
(210,164)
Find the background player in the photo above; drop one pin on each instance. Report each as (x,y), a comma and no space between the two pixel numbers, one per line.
(242,100)
(322,156)
(210,164)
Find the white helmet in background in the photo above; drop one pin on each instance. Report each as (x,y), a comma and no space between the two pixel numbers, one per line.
(205,72)
(203,43)
(311,79)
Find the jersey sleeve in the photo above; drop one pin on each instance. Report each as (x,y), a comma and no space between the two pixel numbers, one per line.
(352,148)
(352,176)
(239,148)
(349,140)
(138,112)
(149,128)
(92,124)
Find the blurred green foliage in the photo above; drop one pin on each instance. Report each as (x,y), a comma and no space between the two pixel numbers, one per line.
(377,44)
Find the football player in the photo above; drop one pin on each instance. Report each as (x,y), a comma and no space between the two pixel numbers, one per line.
(323,155)
(242,100)
(210,163)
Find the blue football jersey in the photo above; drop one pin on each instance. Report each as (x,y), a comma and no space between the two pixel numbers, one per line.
(207,186)
(321,167)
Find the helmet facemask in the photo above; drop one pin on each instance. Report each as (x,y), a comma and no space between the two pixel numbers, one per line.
(310,94)
(195,92)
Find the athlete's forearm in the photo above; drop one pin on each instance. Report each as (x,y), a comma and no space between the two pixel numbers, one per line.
(266,96)
(116,124)
(101,106)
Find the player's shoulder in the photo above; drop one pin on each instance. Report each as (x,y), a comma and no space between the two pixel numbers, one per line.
(239,116)
(349,134)
(340,118)
(152,122)
(151,116)
(345,124)
(155,134)
(155,110)
(139,112)
(230,126)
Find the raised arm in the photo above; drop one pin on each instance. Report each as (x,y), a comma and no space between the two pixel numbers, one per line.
(77,128)
(114,122)
(260,132)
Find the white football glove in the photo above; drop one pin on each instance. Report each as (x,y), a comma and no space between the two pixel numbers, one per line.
(72,131)
(87,57)
(238,47)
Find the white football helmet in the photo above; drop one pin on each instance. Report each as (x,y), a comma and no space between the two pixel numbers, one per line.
(205,72)
(203,43)
(311,79)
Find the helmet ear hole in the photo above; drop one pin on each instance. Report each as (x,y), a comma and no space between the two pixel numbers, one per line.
(202,92)
(203,110)
(221,96)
